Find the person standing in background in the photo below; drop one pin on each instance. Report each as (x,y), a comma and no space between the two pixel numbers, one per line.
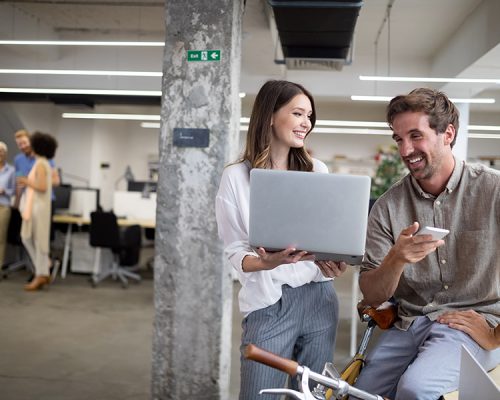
(24,161)
(7,189)
(36,209)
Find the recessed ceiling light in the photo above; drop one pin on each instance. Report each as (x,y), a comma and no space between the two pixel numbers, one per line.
(79,43)
(483,135)
(129,117)
(150,125)
(426,79)
(245,120)
(484,127)
(455,100)
(104,92)
(326,122)
(79,72)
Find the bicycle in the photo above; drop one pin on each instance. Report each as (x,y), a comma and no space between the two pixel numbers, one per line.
(330,384)
(328,381)
(382,317)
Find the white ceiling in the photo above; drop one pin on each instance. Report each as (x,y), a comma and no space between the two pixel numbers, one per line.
(449,38)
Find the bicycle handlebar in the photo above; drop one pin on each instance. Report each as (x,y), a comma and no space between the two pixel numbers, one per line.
(255,353)
(292,368)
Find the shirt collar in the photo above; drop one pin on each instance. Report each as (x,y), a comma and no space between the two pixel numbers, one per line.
(450,185)
(456,175)
(6,167)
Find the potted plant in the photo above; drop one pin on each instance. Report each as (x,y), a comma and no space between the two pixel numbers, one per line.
(390,169)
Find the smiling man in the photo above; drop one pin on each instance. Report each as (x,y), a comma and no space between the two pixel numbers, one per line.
(419,358)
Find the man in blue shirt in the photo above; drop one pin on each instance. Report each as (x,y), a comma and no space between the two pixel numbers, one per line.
(7,188)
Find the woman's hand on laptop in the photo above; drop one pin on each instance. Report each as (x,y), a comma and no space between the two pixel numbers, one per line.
(331,269)
(270,260)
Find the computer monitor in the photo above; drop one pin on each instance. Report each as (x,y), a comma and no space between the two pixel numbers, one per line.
(139,186)
(62,195)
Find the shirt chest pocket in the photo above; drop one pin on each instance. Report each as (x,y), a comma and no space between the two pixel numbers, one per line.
(473,250)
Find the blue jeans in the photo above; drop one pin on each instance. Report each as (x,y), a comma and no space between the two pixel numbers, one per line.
(420,363)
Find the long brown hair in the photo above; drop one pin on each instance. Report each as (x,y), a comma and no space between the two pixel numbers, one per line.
(271,97)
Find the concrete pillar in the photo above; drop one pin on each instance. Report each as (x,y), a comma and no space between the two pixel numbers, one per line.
(193,287)
(460,148)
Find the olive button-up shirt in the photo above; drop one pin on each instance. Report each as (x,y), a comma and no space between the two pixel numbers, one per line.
(462,274)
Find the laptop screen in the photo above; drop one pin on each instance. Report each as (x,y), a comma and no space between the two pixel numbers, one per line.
(325,214)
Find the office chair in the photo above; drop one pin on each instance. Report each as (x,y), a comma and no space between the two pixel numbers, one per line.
(149,234)
(14,239)
(125,246)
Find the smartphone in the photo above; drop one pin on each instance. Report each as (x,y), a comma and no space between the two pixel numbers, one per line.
(437,233)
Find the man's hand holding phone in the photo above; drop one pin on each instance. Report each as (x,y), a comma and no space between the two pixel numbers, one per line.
(436,233)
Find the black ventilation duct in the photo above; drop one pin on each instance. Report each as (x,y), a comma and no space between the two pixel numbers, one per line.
(316,30)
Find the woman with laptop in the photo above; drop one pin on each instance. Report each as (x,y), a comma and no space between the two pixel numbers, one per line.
(290,306)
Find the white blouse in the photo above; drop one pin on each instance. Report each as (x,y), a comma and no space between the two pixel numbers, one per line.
(259,289)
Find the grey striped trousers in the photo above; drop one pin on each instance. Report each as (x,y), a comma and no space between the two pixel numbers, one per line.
(302,325)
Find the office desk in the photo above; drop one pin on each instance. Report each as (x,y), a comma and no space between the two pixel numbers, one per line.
(72,219)
(80,221)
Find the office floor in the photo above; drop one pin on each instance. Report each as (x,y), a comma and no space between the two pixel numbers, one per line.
(75,342)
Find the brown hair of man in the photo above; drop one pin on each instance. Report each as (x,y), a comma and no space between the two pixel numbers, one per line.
(22,133)
(436,105)
(271,97)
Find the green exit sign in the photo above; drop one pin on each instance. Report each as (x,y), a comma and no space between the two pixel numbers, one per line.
(203,55)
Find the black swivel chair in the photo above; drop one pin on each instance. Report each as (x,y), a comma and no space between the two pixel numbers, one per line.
(125,246)
(14,239)
(149,234)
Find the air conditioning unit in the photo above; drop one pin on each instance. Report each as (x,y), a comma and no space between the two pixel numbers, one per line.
(314,64)
(316,34)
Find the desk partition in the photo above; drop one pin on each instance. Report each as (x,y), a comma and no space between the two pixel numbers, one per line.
(132,205)
(83,201)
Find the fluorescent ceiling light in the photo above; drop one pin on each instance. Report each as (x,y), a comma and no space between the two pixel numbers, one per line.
(484,127)
(78,72)
(389,98)
(151,125)
(326,122)
(242,94)
(246,120)
(79,43)
(129,117)
(345,131)
(354,131)
(483,135)
(244,128)
(329,122)
(372,98)
(151,93)
(426,79)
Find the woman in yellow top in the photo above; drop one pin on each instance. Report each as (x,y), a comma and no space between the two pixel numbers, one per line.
(36,209)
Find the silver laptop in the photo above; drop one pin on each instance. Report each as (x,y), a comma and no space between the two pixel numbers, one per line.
(474,382)
(325,214)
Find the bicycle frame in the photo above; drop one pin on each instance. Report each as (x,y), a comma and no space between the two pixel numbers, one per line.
(339,387)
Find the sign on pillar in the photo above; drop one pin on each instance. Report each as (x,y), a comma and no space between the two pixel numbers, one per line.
(203,55)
